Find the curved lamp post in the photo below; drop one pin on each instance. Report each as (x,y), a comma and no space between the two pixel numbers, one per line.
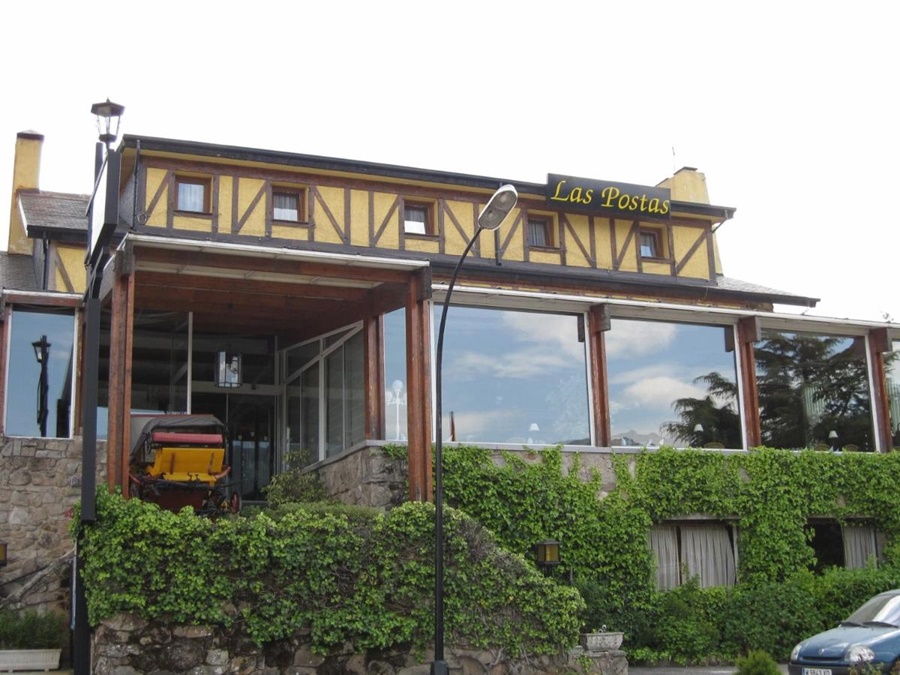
(490,218)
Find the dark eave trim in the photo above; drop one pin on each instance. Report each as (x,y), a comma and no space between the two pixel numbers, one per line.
(58,234)
(548,276)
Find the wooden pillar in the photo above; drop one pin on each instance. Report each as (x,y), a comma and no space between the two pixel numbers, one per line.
(749,332)
(879,343)
(598,323)
(418,392)
(118,448)
(373,335)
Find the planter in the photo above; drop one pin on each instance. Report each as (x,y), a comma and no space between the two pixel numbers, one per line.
(601,642)
(29,659)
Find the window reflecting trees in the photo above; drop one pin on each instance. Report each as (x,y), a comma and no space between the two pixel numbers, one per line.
(810,386)
(672,383)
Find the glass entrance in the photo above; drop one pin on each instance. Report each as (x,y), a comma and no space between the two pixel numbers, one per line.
(251,430)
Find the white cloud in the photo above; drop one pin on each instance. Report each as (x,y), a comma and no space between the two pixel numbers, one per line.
(659,392)
(630,339)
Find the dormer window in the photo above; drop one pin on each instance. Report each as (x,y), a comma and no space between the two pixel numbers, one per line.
(192,194)
(651,244)
(540,232)
(288,205)
(418,218)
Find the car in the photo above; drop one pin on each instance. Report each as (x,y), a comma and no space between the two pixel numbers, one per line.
(867,642)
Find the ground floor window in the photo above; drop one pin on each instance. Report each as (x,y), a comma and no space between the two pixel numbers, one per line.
(672,384)
(705,550)
(514,377)
(39,379)
(326,394)
(835,545)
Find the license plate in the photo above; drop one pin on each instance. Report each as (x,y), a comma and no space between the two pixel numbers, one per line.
(817,671)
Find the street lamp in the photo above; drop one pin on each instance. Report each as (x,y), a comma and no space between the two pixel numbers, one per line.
(490,218)
(42,354)
(102,219)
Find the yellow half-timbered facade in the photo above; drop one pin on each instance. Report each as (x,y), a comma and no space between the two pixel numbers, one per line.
(597,316)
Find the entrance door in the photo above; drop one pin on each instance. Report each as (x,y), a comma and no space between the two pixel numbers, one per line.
(251,430)
(251,426)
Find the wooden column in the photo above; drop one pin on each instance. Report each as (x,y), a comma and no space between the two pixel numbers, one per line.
(418,392)
(879,343)
(598,323)
(118,448)
(373,334)
(750,332)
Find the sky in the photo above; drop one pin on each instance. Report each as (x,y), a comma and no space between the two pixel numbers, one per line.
(790,109)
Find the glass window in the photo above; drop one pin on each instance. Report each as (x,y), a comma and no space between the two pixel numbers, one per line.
(852,545)
(417,218)
(338,398)
(672,384)
(539,233)
(513,377)
(650,244)
(705,550)
(286,205)
(395,376)
(39,380)
(813,391)
(192,194)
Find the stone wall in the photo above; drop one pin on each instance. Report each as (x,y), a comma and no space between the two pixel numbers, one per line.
(40,483)
(367,476)
(128,645)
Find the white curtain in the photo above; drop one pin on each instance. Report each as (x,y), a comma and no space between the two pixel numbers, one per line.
(664,544)
(707,553)
(859,544)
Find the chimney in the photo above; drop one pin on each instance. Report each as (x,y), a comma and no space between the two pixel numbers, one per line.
(687,185)
(26,171)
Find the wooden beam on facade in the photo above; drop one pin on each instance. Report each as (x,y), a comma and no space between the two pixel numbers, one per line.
(879,343)
(120,369)
(418,397)
(750,332)
(599,322)
(373,337)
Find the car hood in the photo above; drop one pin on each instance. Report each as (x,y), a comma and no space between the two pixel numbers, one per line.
(833,643)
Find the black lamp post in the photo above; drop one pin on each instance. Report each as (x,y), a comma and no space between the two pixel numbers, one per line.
(102,219)
(490,218)
(42,354)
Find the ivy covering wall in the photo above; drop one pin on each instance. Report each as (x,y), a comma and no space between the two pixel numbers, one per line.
(769,494)
(336,576)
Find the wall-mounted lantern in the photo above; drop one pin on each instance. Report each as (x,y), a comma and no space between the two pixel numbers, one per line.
(546,554)
(228,369)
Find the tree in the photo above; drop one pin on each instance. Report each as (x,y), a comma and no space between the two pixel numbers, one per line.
(716,413)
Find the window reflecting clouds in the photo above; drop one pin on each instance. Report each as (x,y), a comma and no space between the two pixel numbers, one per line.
(513,377)
(810,386)
(671,384)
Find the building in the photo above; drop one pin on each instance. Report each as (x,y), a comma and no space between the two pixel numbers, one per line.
(298,298)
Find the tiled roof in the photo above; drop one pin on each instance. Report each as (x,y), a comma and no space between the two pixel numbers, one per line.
(17,272)
(731,284)
(54,211)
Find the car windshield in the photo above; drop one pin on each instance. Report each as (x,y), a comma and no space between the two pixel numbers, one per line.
(882,609)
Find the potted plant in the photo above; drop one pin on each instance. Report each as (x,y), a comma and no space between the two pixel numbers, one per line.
(31,640)
(601,639)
